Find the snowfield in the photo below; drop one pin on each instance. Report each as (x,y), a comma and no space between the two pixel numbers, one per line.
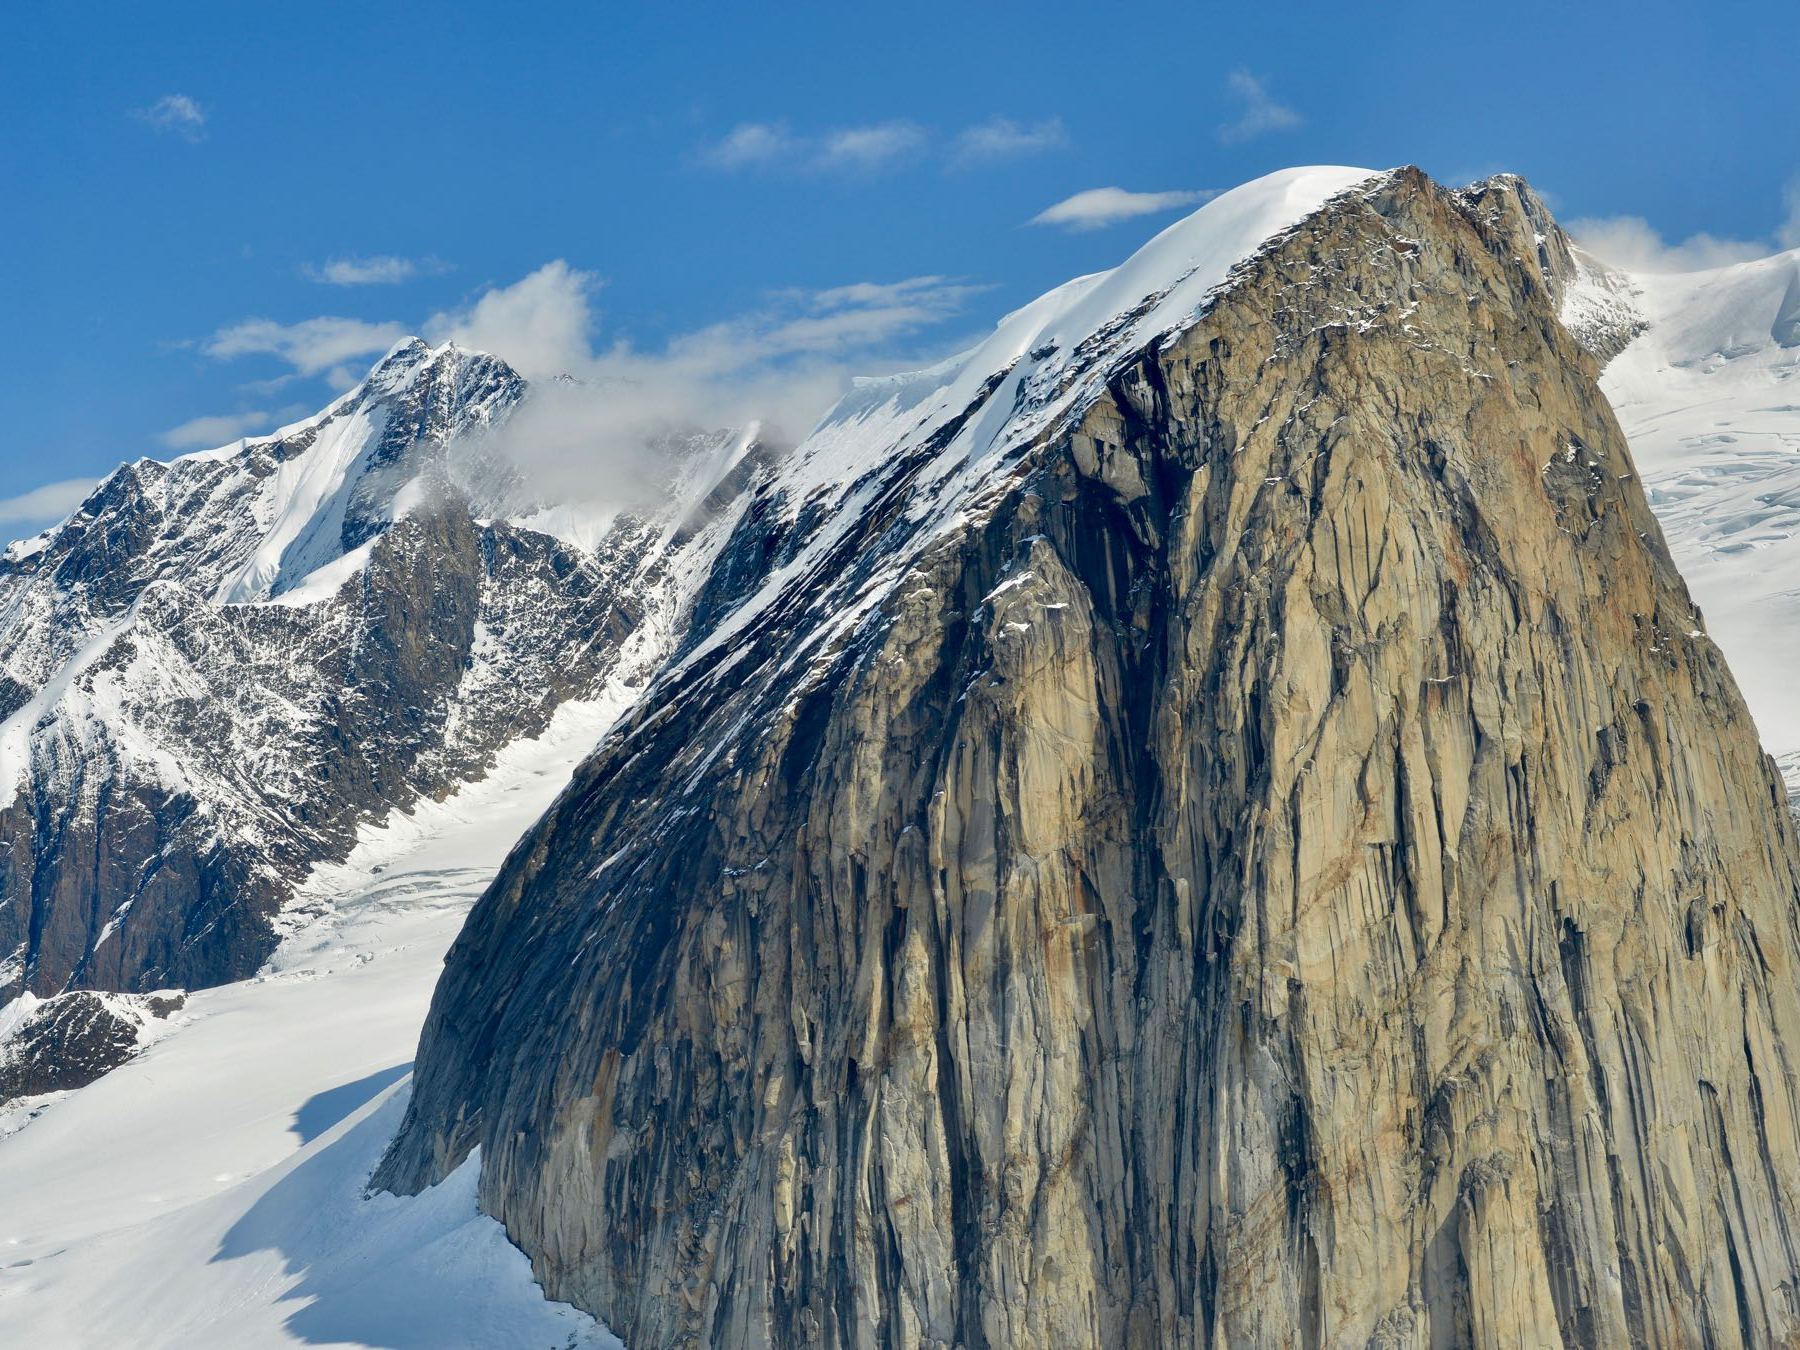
(210,1192)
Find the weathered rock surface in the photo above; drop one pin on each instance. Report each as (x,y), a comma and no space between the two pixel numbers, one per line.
(1273,860)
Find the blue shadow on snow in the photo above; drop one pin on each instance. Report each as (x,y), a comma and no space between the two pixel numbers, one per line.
(322,1110)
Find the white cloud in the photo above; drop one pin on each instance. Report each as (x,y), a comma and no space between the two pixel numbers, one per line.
(45,504)
(876,145)
(870,147)
(1003,138)
(1632,243)
(1099,207)
(544,325)
(598,437)
(1261,113)
(221,429)
(311,346)
(541,325)
(175,113)
(380,270)
(843,318)
(750,144)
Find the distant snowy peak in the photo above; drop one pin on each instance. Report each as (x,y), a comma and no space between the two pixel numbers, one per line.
(253,519)
(223,666)
(343,478)
(1727,313)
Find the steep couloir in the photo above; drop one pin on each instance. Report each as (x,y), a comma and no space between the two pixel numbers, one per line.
(1230,831)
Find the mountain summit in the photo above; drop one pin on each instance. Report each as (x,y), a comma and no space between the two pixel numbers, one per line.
(220,668)
(1211,819)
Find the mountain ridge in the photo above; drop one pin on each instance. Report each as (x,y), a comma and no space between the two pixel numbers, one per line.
(1233,831)
(1249,844)
(221,666)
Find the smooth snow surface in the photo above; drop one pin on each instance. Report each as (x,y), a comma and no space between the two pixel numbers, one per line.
(1709,397)
(210,1192)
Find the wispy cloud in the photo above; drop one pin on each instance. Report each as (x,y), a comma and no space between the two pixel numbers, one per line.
(1004,138)
(311,346)
(781,366)
(1260,114)
(380,270)
(177,114)
(1633,243)
(750,144)
(1099,207)
(221,429)
(544,325)
(44,504)
(856,316)
(541,325)
(873,146)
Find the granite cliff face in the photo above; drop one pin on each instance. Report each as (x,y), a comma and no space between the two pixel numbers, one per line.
(221,667)
(1219,829)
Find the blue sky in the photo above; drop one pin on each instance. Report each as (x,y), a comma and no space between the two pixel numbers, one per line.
(214,215)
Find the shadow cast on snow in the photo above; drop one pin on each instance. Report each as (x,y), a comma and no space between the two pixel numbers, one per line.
(325,1109)
(425,1272)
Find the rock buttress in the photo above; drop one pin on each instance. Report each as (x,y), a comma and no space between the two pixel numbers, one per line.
(1285,867)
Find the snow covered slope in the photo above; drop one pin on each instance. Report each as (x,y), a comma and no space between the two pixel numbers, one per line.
(1709,396)
(210,1193)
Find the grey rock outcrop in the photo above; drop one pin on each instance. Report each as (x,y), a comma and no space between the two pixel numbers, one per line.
(1280,864)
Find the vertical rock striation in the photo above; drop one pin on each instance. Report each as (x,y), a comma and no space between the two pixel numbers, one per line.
(1273,858)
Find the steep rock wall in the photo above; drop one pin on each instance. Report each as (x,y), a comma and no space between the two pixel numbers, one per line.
(1284,865)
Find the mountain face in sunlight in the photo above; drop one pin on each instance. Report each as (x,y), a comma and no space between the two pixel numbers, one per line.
(1212,819)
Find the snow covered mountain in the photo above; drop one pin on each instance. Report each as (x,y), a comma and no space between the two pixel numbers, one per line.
(275,715)
(1190,826)
(220,668)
